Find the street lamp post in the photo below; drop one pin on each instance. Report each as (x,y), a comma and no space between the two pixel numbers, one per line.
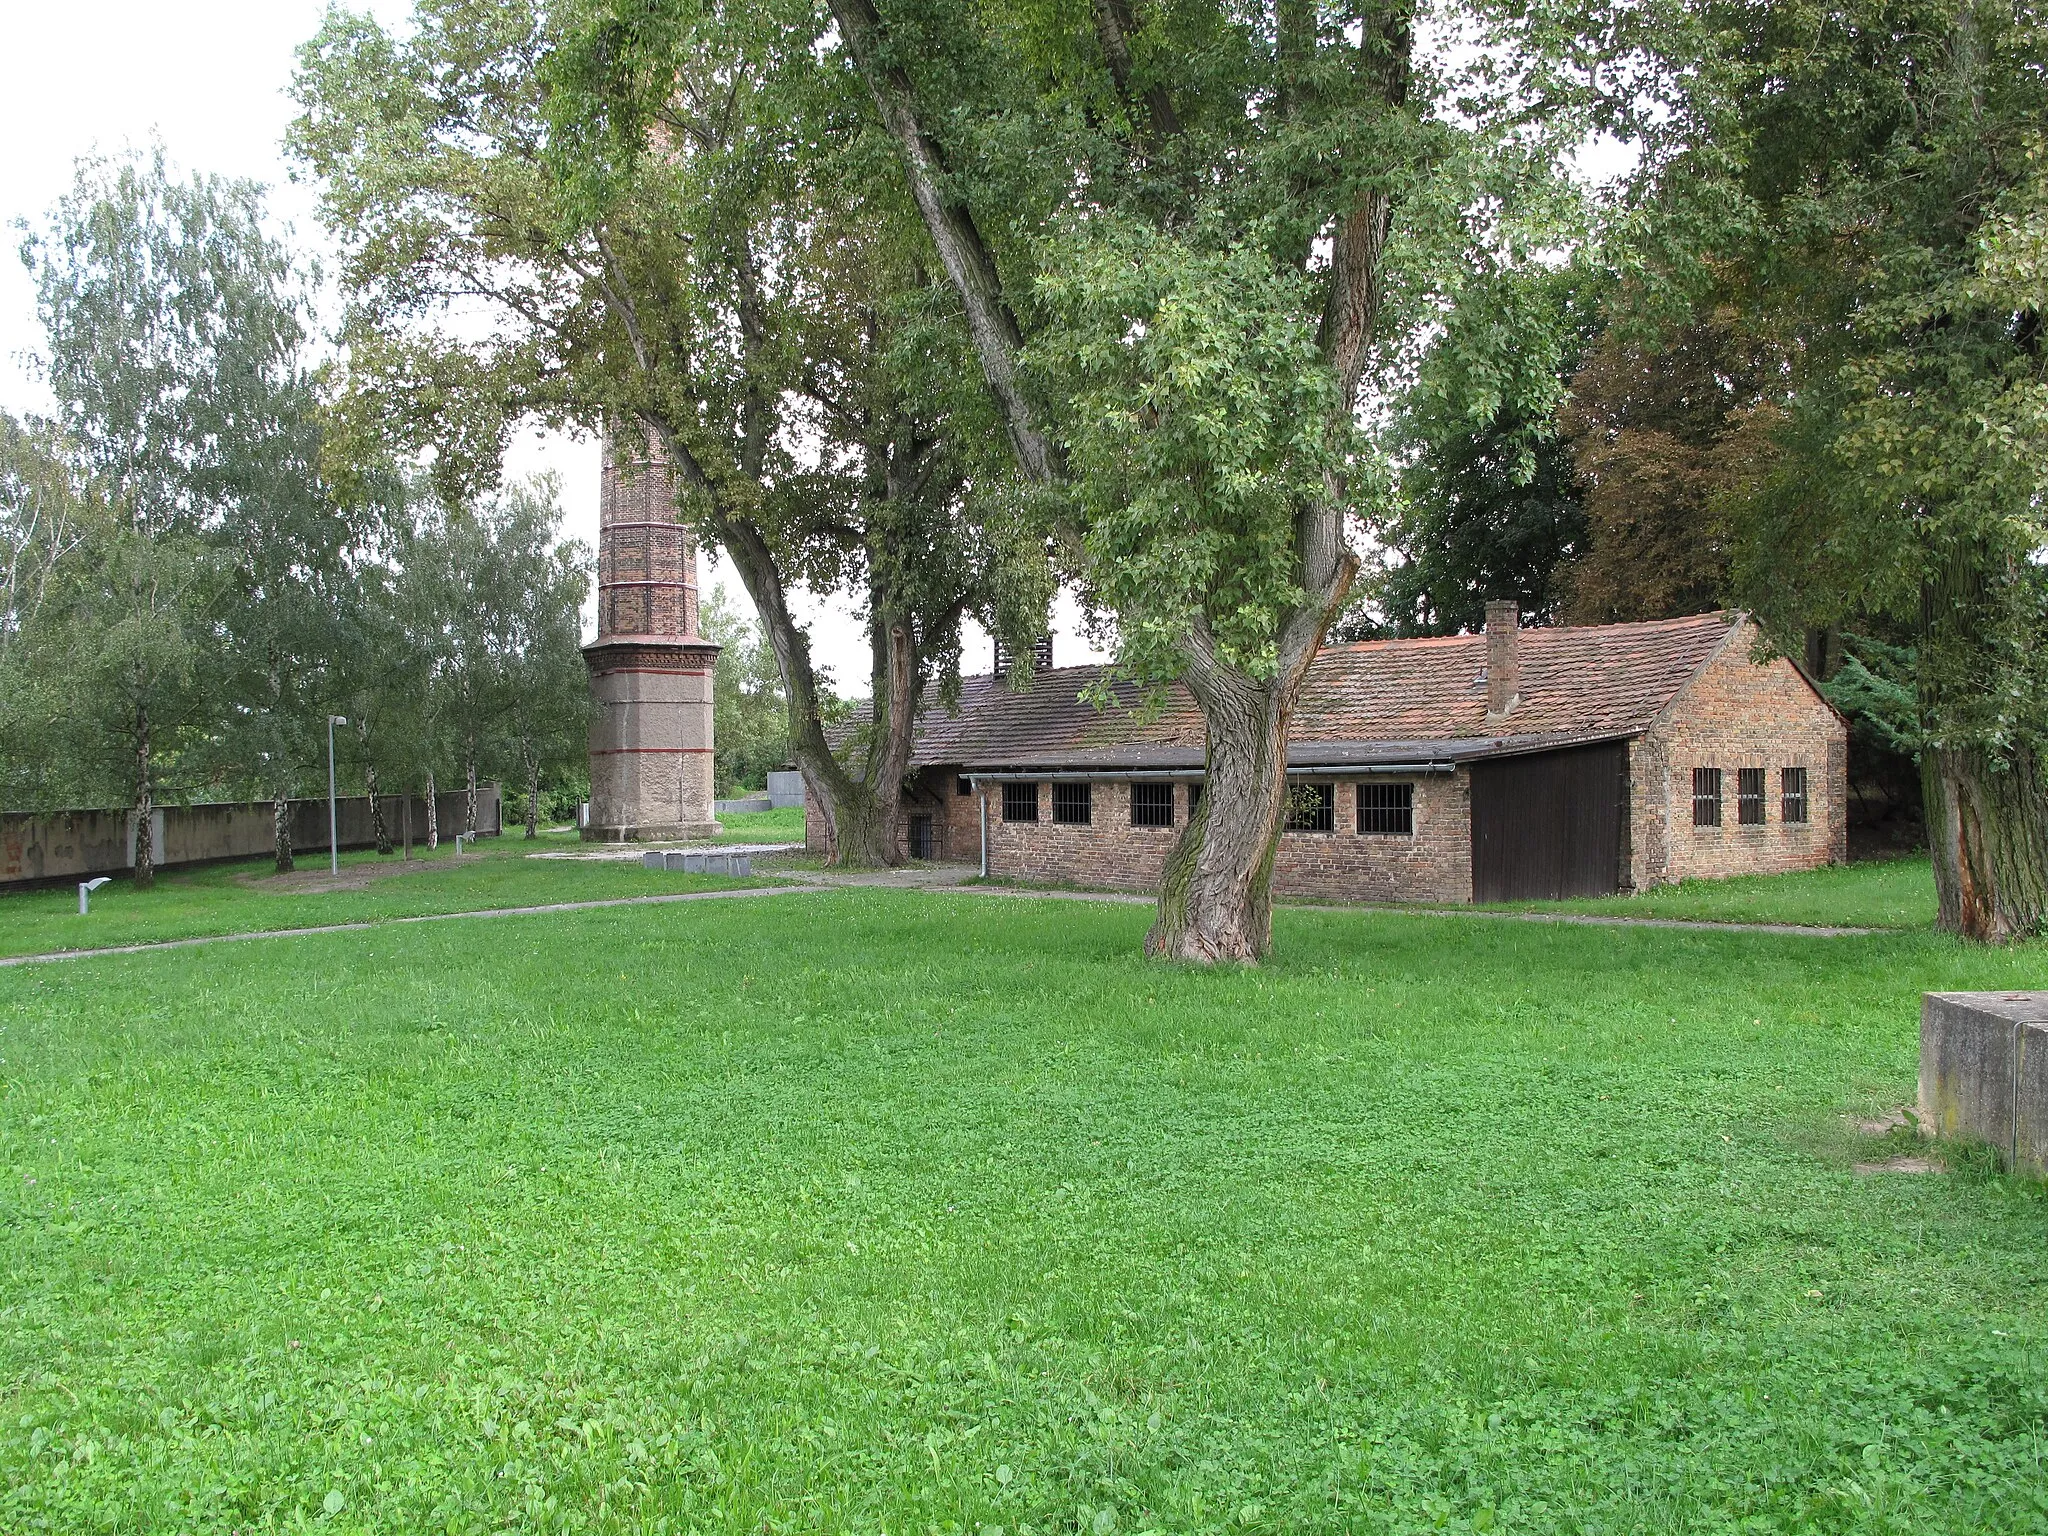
(333,835)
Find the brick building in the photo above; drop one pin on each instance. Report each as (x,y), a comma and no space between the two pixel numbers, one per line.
(1515,763)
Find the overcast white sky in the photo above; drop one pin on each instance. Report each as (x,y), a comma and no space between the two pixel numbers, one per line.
(209,77)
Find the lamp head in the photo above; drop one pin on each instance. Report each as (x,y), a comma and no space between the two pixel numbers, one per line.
(337,719)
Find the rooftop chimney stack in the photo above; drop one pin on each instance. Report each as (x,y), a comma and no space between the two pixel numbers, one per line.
(1503,664)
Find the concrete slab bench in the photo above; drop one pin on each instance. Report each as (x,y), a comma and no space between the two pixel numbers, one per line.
(1984,1072)
(699,863)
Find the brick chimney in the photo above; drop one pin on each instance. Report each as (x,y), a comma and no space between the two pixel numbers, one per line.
(1503,664)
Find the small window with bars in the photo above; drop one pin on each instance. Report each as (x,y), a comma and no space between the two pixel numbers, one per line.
(1311,807)
(1072,804)
(1706,797)
(1151,805)
(1749,797)
(1020,802)
(1792,785)
(963,787)
(1386,810)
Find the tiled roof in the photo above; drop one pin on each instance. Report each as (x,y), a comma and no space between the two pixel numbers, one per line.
(1380,701)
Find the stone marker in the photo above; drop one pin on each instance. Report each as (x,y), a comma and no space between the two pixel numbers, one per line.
(1984,1072)
(693,863)
(654,860)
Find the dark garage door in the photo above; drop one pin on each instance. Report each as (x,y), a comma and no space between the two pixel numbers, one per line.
(1550,824)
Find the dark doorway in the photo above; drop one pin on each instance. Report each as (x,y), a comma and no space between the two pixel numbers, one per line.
(921,842)
(1550,824)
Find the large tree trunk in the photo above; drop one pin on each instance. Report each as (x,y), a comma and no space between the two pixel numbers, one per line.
(1987,824)
(281,831)
(145,804)
(1987,807)
(1216,897)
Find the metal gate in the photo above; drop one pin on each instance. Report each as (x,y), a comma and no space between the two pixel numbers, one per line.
(923,845)
(1550,824)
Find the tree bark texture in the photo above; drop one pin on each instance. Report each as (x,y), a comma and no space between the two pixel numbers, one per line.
(469,791)
(145,804)
(1987,825)
(532,795)
(433,815)
(281,830)
(1986,805)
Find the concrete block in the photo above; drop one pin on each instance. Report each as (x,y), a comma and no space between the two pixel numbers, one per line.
(655,860)
(1984,1072)
(785,789)
(743,864)
(693,863)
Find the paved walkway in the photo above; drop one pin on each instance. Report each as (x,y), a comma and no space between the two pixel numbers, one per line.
(955,878)
(1585,919)
(390,922)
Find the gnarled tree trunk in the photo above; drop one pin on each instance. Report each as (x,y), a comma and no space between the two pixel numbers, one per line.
(1216,896)
(1987,825)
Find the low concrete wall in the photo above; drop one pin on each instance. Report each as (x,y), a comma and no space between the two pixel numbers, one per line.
(745,805)
(786,788)
(68,845)
(1984,1072)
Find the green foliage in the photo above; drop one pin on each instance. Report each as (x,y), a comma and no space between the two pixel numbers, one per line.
(1890,167)
(1195,415)
(887,1209)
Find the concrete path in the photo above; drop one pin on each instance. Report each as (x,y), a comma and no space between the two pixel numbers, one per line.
(1577,919)
(392,922)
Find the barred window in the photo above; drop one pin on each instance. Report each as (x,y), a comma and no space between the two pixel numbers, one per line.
(1072,803)
(1311,807)
(1020,802)
(963,787)
(1706,797)
(1749,796)
(1386,810)
(1794,794)
(1151,805)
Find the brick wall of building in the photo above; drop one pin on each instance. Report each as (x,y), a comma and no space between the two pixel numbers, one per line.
(1432,865)
(1736,715)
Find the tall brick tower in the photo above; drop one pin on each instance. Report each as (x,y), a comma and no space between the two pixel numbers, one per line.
(650,671)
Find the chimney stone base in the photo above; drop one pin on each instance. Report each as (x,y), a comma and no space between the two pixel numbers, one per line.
(650,739)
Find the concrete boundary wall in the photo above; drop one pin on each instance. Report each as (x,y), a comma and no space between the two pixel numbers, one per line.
(1984,1072)
(72,845)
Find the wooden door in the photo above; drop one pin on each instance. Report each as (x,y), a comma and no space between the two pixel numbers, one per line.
(1551,824)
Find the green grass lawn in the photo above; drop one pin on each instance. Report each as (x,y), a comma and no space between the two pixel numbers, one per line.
(1878,893)
(893,1211)
(783,826)
(232,898)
